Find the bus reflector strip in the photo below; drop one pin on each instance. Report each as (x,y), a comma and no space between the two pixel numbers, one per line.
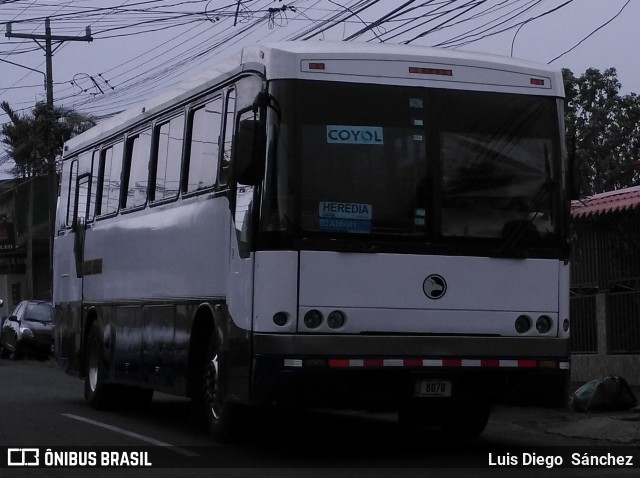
(430,71)
(427,363)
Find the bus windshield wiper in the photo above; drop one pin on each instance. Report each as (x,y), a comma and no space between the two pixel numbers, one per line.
(526,224)
(356,246)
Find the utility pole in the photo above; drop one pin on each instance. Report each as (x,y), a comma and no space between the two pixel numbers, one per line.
(48,49)
(48,39)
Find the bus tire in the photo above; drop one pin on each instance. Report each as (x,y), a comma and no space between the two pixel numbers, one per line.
(221,415)
(466,419)
(136,398)
(99,395)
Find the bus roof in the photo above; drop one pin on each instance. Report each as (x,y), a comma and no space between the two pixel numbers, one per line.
(384,51)
(406,65)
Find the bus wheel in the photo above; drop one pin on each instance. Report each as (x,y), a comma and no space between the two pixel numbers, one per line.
(466,419)
(416,416)
(97,393)
(135,397)
(220,414)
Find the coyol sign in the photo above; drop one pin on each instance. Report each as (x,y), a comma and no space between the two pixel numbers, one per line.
(354,134)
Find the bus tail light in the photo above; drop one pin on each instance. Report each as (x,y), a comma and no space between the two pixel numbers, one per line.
(523,324)
(280,318)
(313,319)
(543,324)
(430,71)
(336,319)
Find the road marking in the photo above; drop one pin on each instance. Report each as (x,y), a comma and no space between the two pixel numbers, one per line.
(128,433)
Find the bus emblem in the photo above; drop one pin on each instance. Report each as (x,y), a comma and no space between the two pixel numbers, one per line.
(434,286)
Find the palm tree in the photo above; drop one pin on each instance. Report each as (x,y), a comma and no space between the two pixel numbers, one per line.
(35,140)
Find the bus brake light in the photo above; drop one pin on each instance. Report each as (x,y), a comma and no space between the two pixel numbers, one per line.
(430,71)
(537,81)
(316,66)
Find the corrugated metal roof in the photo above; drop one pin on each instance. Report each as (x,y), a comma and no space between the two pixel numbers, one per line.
(607,203)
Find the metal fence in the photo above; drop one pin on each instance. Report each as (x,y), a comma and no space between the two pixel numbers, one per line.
(623,322)
(605,259)
(584,328)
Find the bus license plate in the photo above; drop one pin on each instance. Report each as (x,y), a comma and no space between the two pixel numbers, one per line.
(433,388)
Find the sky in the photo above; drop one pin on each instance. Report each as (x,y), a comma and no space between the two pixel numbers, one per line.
(141,47)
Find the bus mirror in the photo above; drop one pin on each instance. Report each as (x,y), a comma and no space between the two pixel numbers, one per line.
(249,152)
(261,100)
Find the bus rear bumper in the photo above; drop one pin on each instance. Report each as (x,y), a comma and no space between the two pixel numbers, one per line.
(375,372)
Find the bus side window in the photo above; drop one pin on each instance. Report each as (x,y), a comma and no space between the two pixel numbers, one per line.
(86,166)
(71,192)
(83,191)
(225,165)
(138,152)
(168,139)
(203,146)
(110,178)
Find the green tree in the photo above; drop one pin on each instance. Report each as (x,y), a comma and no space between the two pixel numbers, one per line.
(603,128)
(36,139)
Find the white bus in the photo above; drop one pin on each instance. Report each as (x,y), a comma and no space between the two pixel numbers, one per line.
(334,224)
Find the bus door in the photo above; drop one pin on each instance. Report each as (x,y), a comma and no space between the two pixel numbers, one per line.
(83,194)
(69,270)
(240,293)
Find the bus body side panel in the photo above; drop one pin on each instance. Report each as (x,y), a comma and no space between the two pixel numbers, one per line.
(155,271)
(169,254)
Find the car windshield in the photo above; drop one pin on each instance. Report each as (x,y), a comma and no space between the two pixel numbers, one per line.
(39,313)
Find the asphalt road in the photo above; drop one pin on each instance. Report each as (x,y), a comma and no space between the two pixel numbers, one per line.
(41,407)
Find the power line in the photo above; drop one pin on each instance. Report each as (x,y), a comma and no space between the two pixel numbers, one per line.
(592,33)
(203,29)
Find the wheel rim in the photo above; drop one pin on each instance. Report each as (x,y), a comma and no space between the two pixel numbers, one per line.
(211,387)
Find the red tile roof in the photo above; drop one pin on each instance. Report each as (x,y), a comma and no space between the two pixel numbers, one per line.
(607,203)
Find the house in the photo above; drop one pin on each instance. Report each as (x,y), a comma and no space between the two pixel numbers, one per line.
(605,286)
(14,237)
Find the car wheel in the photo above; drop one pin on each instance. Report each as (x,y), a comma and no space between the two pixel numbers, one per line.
(17,353)
(4,353)
(99,394)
